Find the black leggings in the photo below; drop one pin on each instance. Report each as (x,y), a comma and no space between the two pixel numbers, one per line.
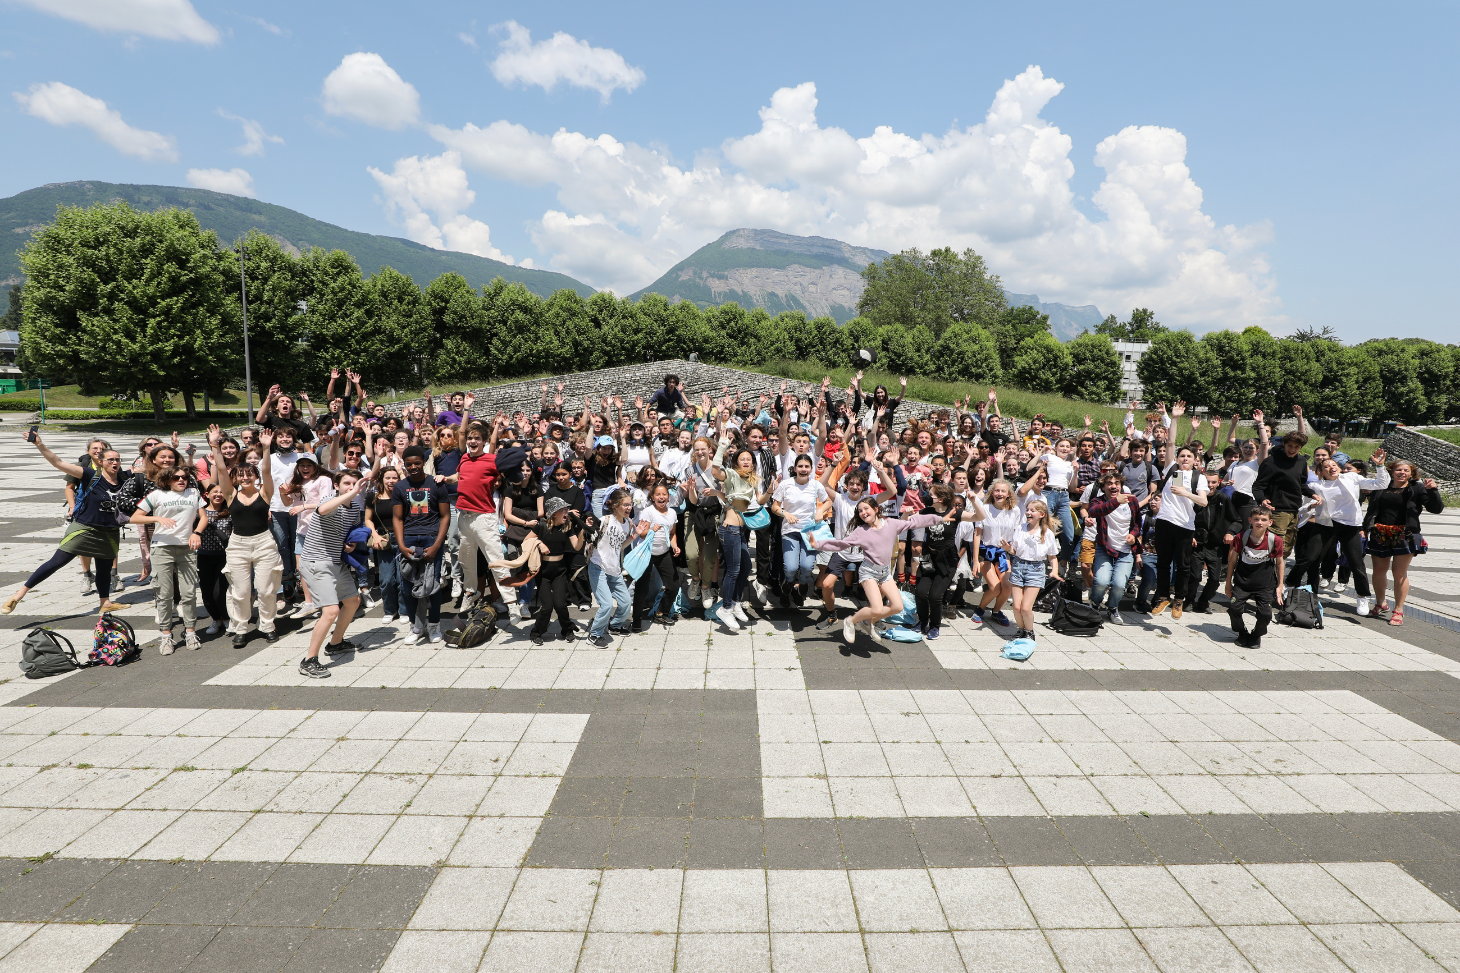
(1214,559)
(928,593)
(213,584)
(103,567)
(1173,546)
(552,596)
(644,596)
(1315,545)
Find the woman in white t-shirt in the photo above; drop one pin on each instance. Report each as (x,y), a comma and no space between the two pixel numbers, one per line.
(1183,489)
(663,522)
(796,502)
(172,510)
(605,568)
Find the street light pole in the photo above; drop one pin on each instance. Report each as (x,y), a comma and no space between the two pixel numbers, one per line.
(247,364)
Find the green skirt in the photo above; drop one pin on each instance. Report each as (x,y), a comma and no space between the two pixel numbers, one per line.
(84,541)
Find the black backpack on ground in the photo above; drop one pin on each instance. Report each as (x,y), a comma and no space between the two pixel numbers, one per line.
(42,654)
(1302,609)
(479,628)
(1047,599)
(1074,618)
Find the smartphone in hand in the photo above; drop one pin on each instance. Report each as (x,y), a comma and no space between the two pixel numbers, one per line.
(31,436)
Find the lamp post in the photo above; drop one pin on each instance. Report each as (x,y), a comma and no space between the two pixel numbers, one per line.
(247,364)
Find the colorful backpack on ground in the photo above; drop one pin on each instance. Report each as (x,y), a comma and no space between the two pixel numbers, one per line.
(114,641)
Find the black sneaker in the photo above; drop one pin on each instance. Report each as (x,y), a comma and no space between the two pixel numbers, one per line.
(618,633)
(569,634)
(274,635)
(1244,640)
(239,641)
(343,647)
(638,627)
(314,669)
(667,620)
(536,639)
(602,642)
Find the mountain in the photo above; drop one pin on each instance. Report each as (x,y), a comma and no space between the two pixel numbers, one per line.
(780,272)
(1065,320)
(233,216)
(776,271)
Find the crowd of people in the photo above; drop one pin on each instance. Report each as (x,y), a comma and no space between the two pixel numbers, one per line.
(664,506)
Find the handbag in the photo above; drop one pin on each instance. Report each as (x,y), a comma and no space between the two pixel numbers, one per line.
(818,532)
(758,519)
(636,562)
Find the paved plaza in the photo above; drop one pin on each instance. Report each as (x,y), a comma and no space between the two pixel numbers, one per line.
(1155,798)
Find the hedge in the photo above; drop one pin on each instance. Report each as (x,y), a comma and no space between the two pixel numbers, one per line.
(53,415)
(20,405)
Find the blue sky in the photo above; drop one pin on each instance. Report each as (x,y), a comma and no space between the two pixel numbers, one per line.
(1285,165)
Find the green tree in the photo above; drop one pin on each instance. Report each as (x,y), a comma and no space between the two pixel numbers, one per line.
(11,321)
(1403,395)
(275,326)
(1229,383)
(398,325)
(1095,369)
(1437,374)
(1042,365)
(1142,326)
(1266,369)
(906,350)
(1176,367)
(456,341)
(967,353)
(334,314)
(1015,328)
(117,299)
(934,290)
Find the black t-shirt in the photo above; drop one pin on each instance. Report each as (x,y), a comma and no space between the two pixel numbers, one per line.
(524,502)
(96,504)
(602,475)
(994,439)
(446,465)
(573,496)
(422,509)
(302,432)
(556,541)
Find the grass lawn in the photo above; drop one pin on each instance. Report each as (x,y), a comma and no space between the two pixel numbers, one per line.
(69,397)
(1448,435)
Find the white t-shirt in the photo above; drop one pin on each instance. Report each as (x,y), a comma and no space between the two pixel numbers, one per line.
(1117,528)
(1028,546)
(843,510)
(608,552)
(659,526)
(1001,525)
(181,506)
(1179,510)
(799,501)
(1243,475)
(1060,471)
(281,467)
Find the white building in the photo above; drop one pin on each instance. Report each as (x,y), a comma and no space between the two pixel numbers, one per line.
(1130,353)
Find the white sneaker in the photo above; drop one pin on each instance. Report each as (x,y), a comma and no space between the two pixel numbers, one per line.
(1115,618)
(738,610)
(214,629)
(433,632)
(827,624)
(761,595)
(1322,584)
(164,644)
(881,629)
(305,609)
(1363,605)
(417,636)
(727,618)
(707,598)
(849,632)
(366,600)
(524,612)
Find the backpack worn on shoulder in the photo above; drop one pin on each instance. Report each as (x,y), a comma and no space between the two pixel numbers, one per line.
(113,642)
(1302,610)
(42,654)
(480,628)
(1074,618)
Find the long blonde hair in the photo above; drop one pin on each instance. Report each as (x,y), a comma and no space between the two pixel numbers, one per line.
(1043,517)
(1008,494)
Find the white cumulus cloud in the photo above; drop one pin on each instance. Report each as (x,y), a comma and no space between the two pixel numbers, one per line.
(627,212)
(367,89)
(169,20)
(235,182)
(562,57)
(61,104)
(254,135)
(422,186)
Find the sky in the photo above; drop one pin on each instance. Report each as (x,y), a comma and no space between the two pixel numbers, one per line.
(1284,165)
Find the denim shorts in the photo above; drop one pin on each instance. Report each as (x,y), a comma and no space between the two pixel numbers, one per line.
(1025,574)
(876,573)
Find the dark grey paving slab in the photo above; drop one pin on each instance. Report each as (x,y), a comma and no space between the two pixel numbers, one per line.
(1249,838)
(1178,839)
(726,843)
(250,949)
(379,897)
(571,842)
(156,949)
(1322,838)
(294,895)
(1105,841)
(343,951)
(802,843)
(649,842)
(127,892)
(49,887)
(211,893)
(1440,877)
(1394,838)
(879,843)
(954,842)
(1030,841)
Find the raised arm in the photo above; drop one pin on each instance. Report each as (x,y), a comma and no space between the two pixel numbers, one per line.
(266,474)
(220,469)
(1262,438)
(70,469)
(267,404)
(340,499)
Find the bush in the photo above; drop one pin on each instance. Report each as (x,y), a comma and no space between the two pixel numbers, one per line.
(136,415)
(20,405)
(131,405)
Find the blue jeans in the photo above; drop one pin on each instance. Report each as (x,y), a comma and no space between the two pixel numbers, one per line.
(799,560)
(1058,502)
(735,555)
(613,599)
(1148,577)
(387,565)
(285,526)
(1112,574)
(412,603)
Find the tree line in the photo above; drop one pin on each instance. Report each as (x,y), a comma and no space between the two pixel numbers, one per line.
(120,300)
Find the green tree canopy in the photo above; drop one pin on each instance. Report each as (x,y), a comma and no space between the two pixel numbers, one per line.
(121,300)
(1095,370)
(967,353)
(1015,328)
(1142,326)
(1176,367)
(1042,365)
(936,290)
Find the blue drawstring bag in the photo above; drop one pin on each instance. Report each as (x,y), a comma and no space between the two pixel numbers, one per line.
(817,532)
(901,633)
(636,562)
(686,607)
(907,618)
(1018,649)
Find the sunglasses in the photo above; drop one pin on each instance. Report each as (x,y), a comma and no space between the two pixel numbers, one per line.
(353,452)
(174,479)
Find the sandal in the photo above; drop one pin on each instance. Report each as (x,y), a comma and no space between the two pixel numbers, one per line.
(1397,618)
(1382,608)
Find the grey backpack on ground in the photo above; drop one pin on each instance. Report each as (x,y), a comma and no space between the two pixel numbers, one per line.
(1302,609)
(47,653)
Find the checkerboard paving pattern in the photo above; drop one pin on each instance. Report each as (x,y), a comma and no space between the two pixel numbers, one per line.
(1152,799)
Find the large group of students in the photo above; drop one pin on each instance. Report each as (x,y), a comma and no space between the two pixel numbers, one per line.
(741,505)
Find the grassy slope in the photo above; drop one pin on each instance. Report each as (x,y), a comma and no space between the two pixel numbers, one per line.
(233,216)
(68,397)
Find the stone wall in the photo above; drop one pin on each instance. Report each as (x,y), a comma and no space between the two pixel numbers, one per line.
(1434,457)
